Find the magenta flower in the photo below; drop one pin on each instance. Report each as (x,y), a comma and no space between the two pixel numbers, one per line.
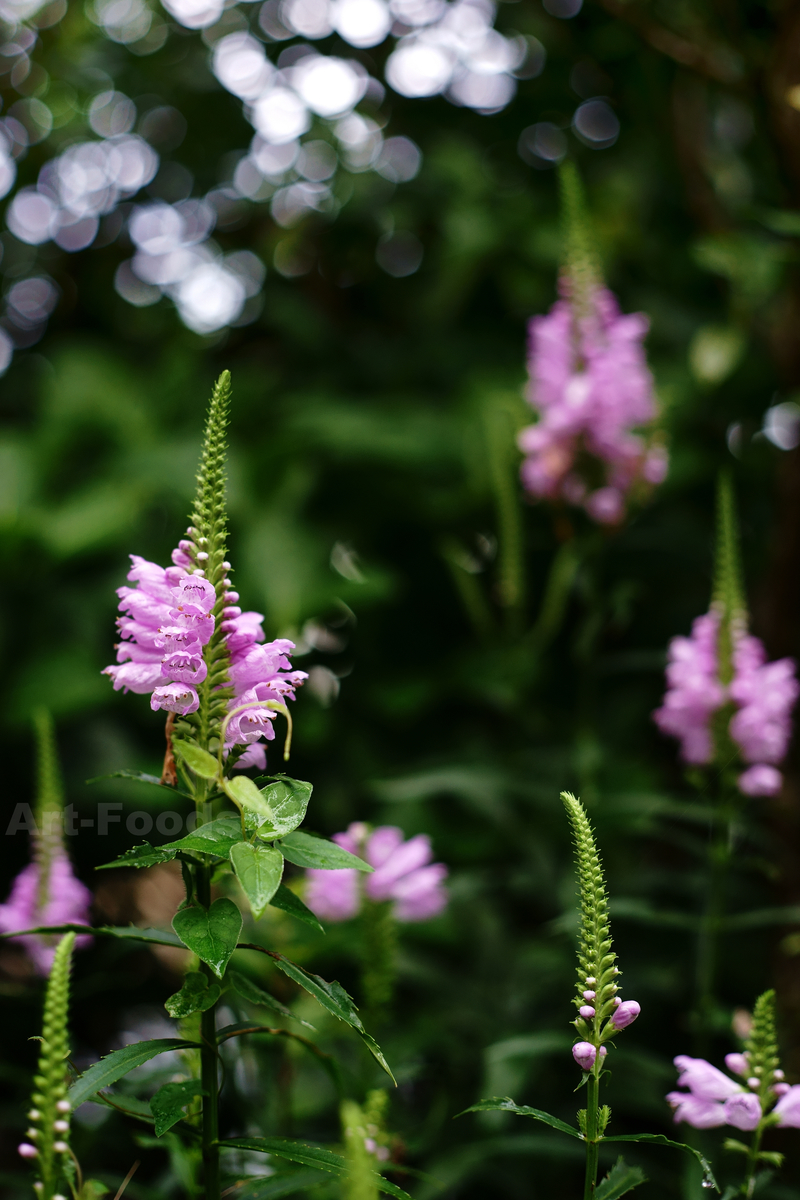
(585,1054)
(625,1014)
(787,1110)
(763,694)
(715,1099)
(590,387)
(403,874)
(67,902)
(167,621)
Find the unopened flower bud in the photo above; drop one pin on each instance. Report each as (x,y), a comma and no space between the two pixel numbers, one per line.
(778,1074)
(60,1126)
(617,1002)
(34,1114)
(737,1063)
(24,1150)
(60,1147)
(753,1082)
(589,995)
(590,979)
(585,1054)
(626,1014)
(780,1089)
(32,1134)
(586,1011)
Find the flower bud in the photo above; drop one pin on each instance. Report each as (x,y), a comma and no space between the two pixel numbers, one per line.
(60,1126)
(777,1074)
(584,1054)
(60,1147)
(737,1063)
(34,1114)
(753,1082)
(63,1106)
(586,1011)
(26,1151)
(589,995)
(590,979)
(780,1089)
(626,1014)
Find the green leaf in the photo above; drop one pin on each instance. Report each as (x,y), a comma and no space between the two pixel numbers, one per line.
(270,1187)
(140,777)
(286,900)
(196,759)
(196,995)
(310,1156)
(216,837)
(143,855)
(93,1189)
(306,851)
(246,795)
(335,999)
(129,933)
(283,806)
(708,1175)
(249,990)
(169,1102)
(211,933)
(506,1104)
(259,870)
(118,1063)
(619,1180)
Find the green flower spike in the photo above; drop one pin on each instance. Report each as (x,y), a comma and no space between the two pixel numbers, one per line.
(728,596)
(48,1134)
(49,803)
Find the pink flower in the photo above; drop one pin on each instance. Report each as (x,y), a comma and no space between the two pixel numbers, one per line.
(788,1108)
(704,1081)
(625,1014)
(585,1054)
(591,388)
(701,1114)
(167,621)
(403,874)
(67,902)
(763,694)
(743,1111)
(738,1064)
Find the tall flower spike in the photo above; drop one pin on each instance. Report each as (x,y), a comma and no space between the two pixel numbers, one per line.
(600,1013)
(589,385)
(48,1135)
(207,549)
(46,891)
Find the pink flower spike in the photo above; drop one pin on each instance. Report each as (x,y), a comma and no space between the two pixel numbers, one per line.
(586,1011)
(742,1111)
(626,1014)
(584,1054)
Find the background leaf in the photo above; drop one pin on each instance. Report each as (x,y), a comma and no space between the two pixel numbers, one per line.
(118,1063)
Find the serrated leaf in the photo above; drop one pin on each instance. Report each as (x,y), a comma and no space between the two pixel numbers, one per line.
(259,870)
(211,933)
(619,1180)
(708,1174)
(143,855)
(306,851)
(506,1104)
(287,901)
(335,999)
(270,1187)
(310,1156)
(141,777)
(196,759)
(283,807)
(118,1063)
(250,991)
(196,995)
(215,837)
(129,933)
(169,1102)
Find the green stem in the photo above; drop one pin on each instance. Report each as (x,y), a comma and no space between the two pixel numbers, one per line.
(748,1187)
(719,855)
(209,1066)
(592,1139)
(500,427)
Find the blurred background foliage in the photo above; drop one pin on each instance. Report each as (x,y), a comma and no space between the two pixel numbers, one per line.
(470,655)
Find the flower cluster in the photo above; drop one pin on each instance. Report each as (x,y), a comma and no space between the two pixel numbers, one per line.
(46,892)
(763,695)
(713,1098)
(167,620)
(590,386)
(403,874)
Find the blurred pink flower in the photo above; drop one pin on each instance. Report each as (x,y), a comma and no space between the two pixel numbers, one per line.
(762,693)
(403,874)
(715,1099)
(590,387)
(67,902)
